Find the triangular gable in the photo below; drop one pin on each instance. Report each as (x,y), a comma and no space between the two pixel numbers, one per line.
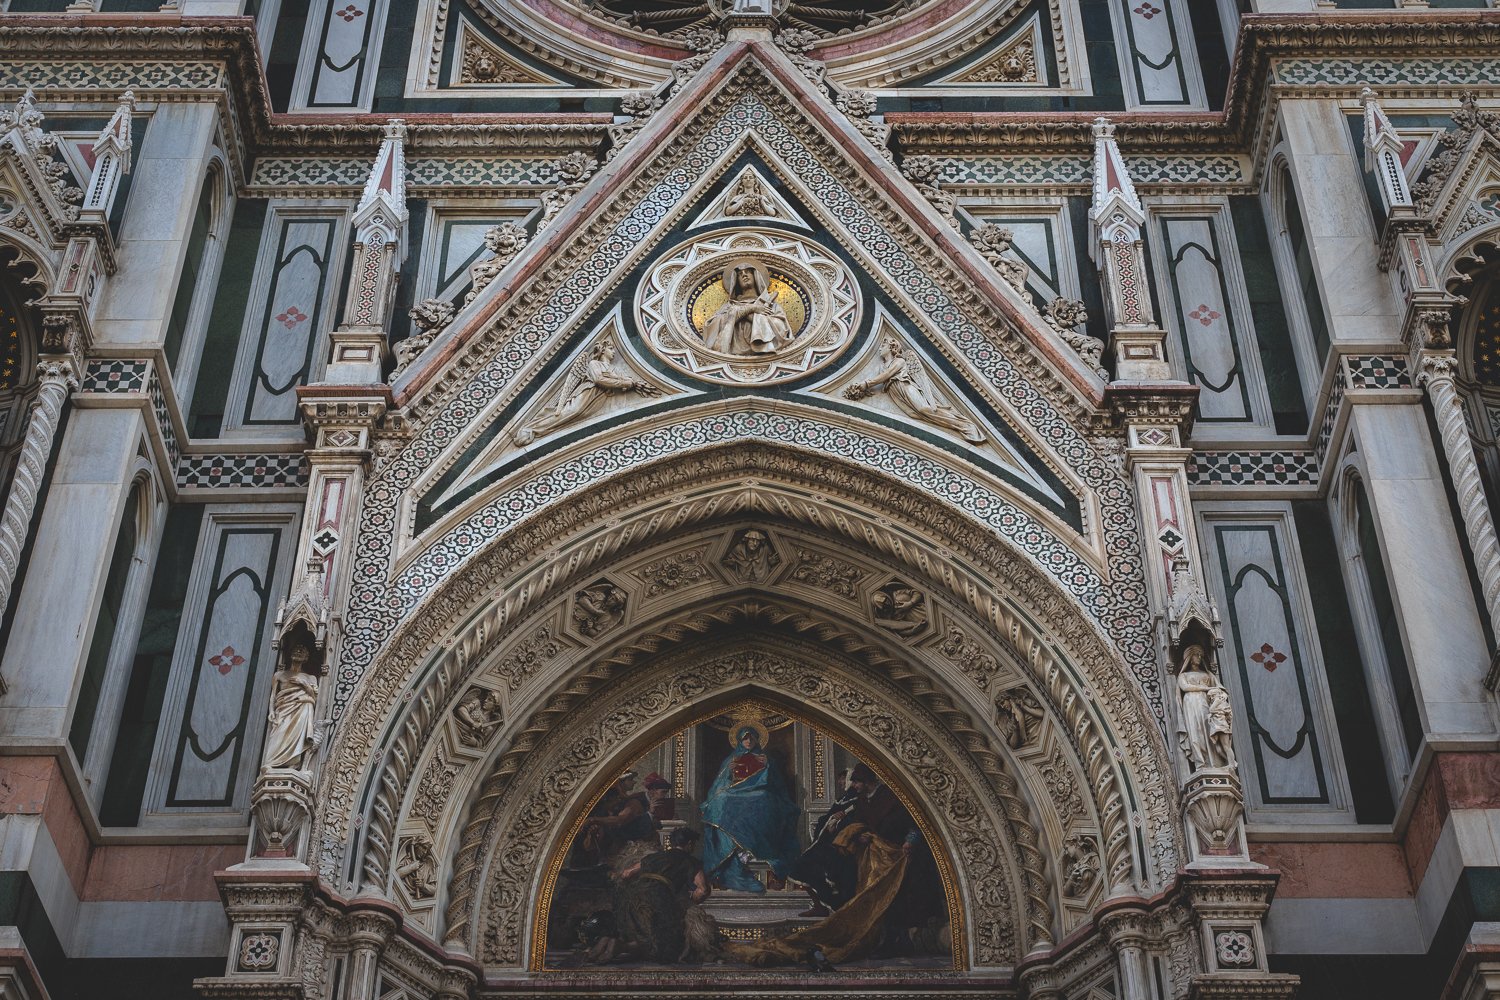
(480,61)
(1456,210)
(495,452)
(670,127)
(693,141)
(749,197)
(1020,60)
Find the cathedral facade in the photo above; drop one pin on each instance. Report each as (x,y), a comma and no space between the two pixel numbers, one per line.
(923,498)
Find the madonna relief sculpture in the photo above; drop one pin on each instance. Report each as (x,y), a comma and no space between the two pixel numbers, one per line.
(748,307)
(752,321)
(1207,721)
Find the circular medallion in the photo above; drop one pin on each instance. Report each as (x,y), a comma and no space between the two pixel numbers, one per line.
(748,307)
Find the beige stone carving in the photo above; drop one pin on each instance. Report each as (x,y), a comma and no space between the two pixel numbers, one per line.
(504,243)
(1080,866)
(1065,316)
(478,715)
(1207,720)
(1019,716)
(752,557)
(589,382)
(969,655)
(294,703)
(994,242)
(1016,63)
(900,607)
(483,63)
(598,608)
(817,569)
(905,380)
(752,321)
(416,867)
(678,570)
(748,197)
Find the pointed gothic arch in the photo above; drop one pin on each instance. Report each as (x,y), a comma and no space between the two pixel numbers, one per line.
(1017,633)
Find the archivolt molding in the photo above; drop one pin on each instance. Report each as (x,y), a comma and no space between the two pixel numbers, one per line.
(520,811)
(843,438)
(571,40)
(550,557)
(550,675)
(920,44)
(479,371)
(1468,254)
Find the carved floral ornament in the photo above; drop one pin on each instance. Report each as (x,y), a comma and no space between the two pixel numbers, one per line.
(491,598)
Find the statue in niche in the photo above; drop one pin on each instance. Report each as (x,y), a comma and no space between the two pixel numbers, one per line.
(294,730)
(1207,728)
(1020,717)
(752,321)
(751,557)
(901,608)
(478,715)
(417,867)
(905,380)
(598,608)
(589,381)
(748,197)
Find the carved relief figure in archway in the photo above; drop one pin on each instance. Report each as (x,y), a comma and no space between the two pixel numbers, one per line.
(752,321)
(749,815)
(905,380)
(587,385)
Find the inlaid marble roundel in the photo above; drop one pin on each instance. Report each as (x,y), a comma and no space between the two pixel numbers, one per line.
(748,307)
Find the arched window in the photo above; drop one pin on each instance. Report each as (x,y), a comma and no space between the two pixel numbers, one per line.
(91,733)
(193,301)
(1298,277)
(1392,693)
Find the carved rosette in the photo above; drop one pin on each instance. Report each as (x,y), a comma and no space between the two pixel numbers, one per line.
(686,288)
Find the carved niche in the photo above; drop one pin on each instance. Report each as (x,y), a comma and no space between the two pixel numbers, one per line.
(748,307)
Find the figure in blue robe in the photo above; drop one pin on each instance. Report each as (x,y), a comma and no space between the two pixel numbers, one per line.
(749,811)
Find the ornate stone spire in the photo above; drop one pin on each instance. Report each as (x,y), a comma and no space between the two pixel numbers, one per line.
(359,344)
(1384,153)
(1116,218)
(111,159)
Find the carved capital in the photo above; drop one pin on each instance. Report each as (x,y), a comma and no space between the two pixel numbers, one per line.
(281,802)
(1436,366)
(1213,805)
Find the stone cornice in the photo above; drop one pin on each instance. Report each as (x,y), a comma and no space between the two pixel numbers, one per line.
(230,42)
(1264,38)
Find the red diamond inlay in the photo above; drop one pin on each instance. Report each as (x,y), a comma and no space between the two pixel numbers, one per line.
(1268,657)
(226,660)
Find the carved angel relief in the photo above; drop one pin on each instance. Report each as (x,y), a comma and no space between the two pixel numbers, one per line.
(905,380)
(590,381)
